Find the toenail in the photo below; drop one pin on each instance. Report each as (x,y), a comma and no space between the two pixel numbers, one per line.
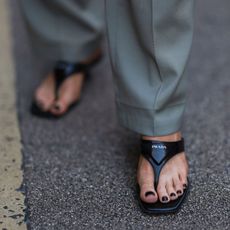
(185,185)
(179,192)
(164,198)
(172,194)
(57,107)
(149,193)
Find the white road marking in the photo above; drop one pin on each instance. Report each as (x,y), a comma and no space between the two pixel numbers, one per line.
(11,175)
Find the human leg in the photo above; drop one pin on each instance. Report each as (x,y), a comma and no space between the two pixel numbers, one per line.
(149,45)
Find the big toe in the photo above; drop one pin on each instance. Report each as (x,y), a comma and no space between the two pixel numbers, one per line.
(145,179)
(59,107)
(148,193)
(69,93)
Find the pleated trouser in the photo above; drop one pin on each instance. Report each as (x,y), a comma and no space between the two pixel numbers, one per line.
(69,30)
(149,45)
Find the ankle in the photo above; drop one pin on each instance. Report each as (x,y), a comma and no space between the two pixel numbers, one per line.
(170,137)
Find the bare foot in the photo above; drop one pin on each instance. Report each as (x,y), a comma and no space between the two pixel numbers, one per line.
(45,93)
(173,177)
(68,93)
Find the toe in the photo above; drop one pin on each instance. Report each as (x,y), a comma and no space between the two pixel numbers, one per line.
(69,93)
(170,190)
(178,186)
(59,107)
(148,193)
(183,180)
(44,94)
(145,179)
(162,192)
(43,101)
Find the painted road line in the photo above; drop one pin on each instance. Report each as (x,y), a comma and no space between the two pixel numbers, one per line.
(11,201)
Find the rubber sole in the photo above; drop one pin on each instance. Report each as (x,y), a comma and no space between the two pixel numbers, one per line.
(159,208)
(36,111)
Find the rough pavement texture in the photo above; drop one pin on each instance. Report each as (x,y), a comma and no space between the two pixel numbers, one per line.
(80,171)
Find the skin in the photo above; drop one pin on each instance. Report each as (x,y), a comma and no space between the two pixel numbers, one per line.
(173,177)
(69,91)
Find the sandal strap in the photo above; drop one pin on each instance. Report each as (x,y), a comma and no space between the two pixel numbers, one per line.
(159,152)
(64,69)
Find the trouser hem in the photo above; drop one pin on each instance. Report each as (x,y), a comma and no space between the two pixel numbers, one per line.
(67,52)
(150,122)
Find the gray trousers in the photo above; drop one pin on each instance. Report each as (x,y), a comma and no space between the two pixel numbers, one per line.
(149,44)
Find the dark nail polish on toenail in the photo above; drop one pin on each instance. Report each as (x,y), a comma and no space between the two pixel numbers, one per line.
(149,193)
(57,107)
(164,198)
(179,192)
(173,194)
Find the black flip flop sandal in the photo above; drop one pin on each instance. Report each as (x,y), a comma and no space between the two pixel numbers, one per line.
(158,153)
(62,71)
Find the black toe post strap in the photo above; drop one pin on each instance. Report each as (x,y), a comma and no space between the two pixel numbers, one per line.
(65,69)
(159,152)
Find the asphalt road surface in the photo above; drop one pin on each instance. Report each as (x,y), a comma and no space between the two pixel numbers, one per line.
(79,171)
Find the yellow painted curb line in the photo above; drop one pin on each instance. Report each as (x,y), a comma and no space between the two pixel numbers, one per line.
(11,176)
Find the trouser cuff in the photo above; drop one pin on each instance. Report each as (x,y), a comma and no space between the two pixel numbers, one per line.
(68,52)
(151,122)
